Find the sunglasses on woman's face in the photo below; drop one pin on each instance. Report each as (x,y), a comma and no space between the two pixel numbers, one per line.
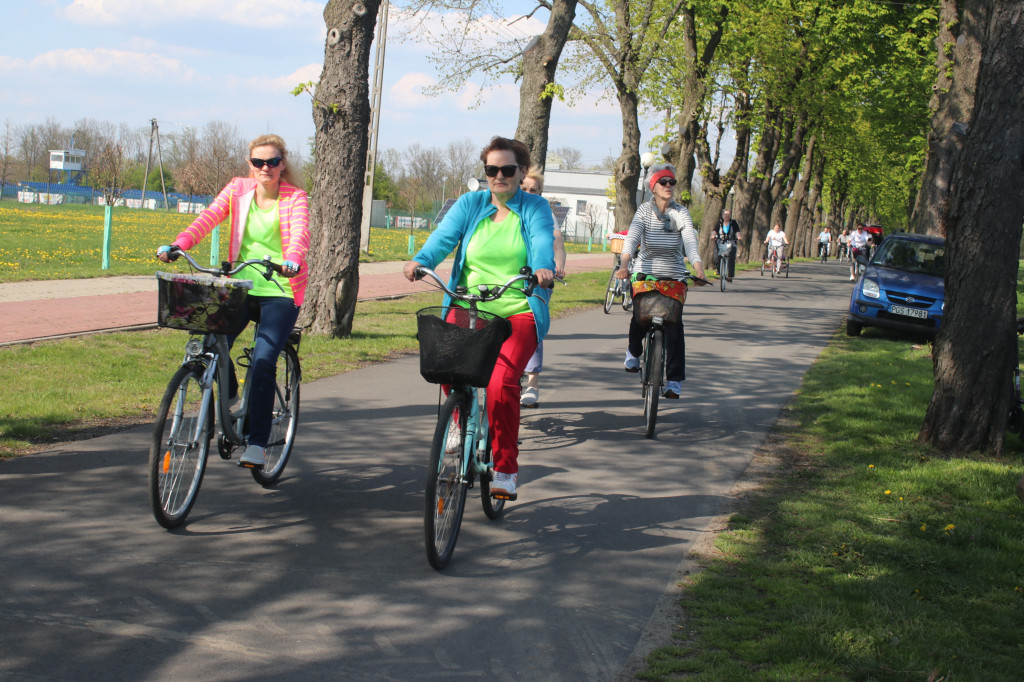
(259,163)
(665,182)
(506,171)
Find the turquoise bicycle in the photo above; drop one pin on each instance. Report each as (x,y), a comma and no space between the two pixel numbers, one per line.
(458,348)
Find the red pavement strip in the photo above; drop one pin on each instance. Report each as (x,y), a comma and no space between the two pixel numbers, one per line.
(30,320)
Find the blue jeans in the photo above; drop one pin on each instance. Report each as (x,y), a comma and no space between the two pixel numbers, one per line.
(276,317)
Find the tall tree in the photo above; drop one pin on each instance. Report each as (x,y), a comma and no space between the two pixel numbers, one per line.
(976,349)
(341,115)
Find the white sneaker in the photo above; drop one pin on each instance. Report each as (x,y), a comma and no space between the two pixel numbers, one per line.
(632,363)
(852,278)
(529,397)
(254,457)
(672,389)
(503,486)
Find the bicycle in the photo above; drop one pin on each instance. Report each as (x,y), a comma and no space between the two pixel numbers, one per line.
(724,249)
(211,309)
(652,309)
(618,289)
(774,264)
(458,348)
(823,249)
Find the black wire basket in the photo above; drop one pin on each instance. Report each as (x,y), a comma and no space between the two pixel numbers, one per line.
(459,346)
(200,303)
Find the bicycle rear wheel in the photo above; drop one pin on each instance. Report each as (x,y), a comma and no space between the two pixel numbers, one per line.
(654,357)
(493,507)
(176,461)
(445,489)
(610,292)
(285,418)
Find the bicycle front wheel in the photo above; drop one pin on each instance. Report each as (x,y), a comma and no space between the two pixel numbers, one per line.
(655,374)
(285,418)
(177,458)
(723,270)
(445,488)
(493,507)
(609,293)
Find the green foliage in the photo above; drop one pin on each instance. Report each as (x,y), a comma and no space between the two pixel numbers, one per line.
(553,90)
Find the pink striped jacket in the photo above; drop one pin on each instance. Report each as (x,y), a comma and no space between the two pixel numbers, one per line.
(234,202)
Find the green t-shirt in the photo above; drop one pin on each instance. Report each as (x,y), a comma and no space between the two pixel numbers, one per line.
(494,255)
(263,238)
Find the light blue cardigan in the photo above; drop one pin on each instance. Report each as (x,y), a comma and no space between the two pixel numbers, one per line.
(458,226)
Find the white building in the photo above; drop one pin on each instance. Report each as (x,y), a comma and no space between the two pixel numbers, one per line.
(584,193)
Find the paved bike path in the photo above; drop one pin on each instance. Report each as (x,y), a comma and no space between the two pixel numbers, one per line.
(324,575)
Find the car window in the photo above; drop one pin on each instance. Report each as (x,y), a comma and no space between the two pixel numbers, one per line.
(911,256)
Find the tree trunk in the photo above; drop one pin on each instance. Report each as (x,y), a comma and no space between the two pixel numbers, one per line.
(798,203)
(717,187)
(952,105)
(539,65)
(748,189)
(341,114)
(627,167)
(976,349)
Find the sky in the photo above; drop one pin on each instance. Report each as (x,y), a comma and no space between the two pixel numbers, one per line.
(187,62)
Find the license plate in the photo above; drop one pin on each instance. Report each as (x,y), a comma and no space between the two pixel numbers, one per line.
(909,312)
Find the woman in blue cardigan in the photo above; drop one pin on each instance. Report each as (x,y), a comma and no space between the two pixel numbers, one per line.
(493,235)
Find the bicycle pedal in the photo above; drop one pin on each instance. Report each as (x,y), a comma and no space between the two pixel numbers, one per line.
(504,496)
(249,465)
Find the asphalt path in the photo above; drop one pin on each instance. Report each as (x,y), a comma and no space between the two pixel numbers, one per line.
(323,576)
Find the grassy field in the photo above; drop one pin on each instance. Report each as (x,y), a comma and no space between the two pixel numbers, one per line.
(66,242)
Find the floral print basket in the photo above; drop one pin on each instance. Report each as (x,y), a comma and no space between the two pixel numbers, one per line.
(200,303)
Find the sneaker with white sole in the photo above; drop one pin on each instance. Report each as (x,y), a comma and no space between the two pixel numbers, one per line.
(503,486)
(254,457)
(673,389)
(632,363)
(529,397)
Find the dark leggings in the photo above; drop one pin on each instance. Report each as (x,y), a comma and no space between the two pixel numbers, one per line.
(276,317)
(675,347)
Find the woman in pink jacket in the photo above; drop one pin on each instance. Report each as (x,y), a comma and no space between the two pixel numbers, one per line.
(268,214)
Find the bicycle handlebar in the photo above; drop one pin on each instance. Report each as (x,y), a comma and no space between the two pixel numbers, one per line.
(487,293)
(225,268)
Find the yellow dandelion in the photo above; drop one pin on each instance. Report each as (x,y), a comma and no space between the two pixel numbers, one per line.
(949,527)
(888,492)
(924,526)
(871,466)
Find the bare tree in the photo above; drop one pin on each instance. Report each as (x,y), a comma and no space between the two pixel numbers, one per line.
(32,151)
(341,114)
(462,162)
(426,166)
(570,156)
(109,172)
(6,151)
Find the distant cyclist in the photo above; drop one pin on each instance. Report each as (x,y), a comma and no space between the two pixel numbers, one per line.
(728,230)
(776,241)
(824,242)
(858,243)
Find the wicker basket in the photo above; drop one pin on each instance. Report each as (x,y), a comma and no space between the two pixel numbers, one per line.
(616,244)
(451,352)
(651,304)
(200,303)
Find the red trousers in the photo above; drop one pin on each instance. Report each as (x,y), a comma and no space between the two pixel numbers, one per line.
(503,392)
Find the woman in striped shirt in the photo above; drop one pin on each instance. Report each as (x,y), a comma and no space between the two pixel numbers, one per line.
(663,231)
(269,215)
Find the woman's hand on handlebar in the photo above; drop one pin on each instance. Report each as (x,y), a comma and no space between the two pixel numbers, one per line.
(167,253)
(545,278)
(409,269)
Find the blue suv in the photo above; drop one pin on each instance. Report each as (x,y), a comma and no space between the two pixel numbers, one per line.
(902,288)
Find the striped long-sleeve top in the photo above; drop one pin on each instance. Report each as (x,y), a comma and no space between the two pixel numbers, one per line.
(664,239)
(234,201)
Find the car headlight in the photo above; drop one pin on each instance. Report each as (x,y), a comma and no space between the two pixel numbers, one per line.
(870,288)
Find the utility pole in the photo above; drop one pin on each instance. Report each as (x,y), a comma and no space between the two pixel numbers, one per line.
(160,159)
(371,151)
(149,158)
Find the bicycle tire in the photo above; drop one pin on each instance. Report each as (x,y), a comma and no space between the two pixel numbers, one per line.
(609,294)
(285,418)
(723,270)
(655,355)
(775,265)
(762,268)
(176,466)
(493,507)
(445,490)
(787,270)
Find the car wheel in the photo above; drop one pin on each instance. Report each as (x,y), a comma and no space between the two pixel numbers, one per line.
(853,328)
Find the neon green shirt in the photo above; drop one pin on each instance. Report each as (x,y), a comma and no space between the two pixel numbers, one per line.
(494,255)
(263,238)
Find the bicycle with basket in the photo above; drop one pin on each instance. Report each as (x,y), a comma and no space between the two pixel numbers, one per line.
(618,289)
(212,307)
(459,347)
(655,303)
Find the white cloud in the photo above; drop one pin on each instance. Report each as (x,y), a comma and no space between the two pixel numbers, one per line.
(266,13)
(11,64)
(407,92)
(282,84)
(102,61)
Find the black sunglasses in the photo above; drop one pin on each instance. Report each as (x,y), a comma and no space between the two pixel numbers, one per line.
(273,163)
(667,181)
(506,171)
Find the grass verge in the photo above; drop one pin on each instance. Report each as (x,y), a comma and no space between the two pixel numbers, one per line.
(78,388)
(864,556)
